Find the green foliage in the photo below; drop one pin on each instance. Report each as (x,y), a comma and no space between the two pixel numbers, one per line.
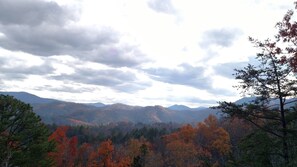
(258,149)
(119,133)
(23,139)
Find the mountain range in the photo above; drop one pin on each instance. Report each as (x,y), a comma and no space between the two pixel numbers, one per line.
(59,112)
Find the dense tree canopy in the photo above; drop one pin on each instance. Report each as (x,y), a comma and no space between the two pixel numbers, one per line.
(23,138)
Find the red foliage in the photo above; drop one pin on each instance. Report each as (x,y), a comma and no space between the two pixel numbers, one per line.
(198,145)
(66,152)
(102,157)
(287,34)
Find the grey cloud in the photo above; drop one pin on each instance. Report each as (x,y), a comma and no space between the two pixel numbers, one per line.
(20,72)
(221,37)
(199,100)
(222,91)
(12,76)
(119,56)
(188,75)
(3,86)
(114,78)
(46,33)
(64,88)
(162,6)
(48,40)
(228,69)
(132,86)
(191,99)
(32,12)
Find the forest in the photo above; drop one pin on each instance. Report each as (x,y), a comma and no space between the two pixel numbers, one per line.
(253,134)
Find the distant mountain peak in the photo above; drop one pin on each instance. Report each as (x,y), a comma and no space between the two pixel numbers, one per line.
(178,107)
(98,104)
(159,106)
(245,100)
(119,106)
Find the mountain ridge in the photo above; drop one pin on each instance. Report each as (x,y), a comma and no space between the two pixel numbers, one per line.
(58,112)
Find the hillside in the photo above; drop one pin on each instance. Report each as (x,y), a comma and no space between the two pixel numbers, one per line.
(68,113)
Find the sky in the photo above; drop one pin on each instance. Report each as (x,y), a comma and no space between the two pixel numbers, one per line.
(136,52)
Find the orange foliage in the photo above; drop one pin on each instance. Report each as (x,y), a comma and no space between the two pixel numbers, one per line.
(181,154)
(105,152)
(102,157)
(203,145)
(197,145)
(133,147)
(124,162)
(186,133)
(213,137)
(69,155)
(237,128)
(83,154)
(66,152)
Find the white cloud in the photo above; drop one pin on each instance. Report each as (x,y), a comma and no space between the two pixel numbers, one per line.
(118,40)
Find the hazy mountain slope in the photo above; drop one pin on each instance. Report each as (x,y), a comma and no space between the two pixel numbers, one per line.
(177,107)
(148,114)
(58,112)
(67,113)
(28,98)
(72,113)
(95,104)
(273,103)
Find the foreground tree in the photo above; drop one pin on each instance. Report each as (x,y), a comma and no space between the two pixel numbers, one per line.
(272,80)
(23,138)
(273,83)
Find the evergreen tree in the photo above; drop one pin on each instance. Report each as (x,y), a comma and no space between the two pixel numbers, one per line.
(23,137)
(273,80)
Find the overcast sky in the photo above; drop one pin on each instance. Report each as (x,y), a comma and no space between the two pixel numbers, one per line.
(137,52)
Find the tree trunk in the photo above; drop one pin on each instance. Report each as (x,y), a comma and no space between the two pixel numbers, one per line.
(282,112)
(284,129)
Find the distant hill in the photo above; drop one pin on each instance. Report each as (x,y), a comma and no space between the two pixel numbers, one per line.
(273,103)
(95,104)
(245,100)
(65,113)
(29,98)
(179,107)
(68,113)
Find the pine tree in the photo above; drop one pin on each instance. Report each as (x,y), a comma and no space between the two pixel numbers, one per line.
(272,80)
(23,137)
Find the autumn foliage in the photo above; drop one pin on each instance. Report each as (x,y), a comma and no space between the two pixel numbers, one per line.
(102,156)
(66,152)
(202,144)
